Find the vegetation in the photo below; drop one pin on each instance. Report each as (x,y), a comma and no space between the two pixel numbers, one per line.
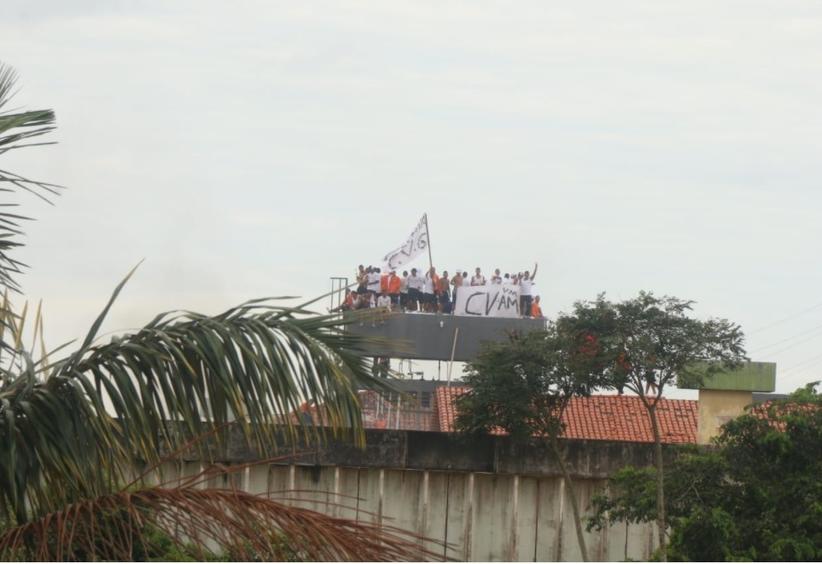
(648,343)
(644,345)
(73,423)
(756,496)
(523,387)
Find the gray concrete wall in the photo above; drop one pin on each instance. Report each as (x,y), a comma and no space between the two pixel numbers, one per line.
(480,516)
(423,450)
(430,336)
(487,499)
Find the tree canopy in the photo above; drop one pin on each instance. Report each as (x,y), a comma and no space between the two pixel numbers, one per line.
(756,495)
(648,343)
(523,386)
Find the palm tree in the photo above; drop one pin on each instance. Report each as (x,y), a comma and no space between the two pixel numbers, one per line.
(73,426)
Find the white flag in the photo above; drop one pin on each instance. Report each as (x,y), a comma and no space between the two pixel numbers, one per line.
(413,246)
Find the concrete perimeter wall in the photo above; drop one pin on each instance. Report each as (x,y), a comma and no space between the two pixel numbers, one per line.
(481,516)
(486,499)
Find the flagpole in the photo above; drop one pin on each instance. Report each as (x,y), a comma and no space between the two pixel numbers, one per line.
(428,232)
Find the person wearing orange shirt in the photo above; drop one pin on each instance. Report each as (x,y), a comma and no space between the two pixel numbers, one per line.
(383,283)
(536,311)
(394,283)
(348,302)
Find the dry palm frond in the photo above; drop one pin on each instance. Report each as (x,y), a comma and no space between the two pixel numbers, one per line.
(244,526)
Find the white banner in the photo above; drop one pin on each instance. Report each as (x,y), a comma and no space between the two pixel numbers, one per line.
(494,300)
(413,246)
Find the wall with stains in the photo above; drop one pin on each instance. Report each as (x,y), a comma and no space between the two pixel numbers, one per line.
(481,516)
(487,498)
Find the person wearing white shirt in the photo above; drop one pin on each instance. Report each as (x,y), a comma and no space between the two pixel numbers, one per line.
(429,291)
(496,278)
(415,284)
(526,285)
(404,290)
(478,279)
(383,307)
(374,280)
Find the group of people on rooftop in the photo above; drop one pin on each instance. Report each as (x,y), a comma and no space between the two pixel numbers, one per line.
(431,292)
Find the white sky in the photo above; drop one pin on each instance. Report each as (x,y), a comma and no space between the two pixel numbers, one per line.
(256,149)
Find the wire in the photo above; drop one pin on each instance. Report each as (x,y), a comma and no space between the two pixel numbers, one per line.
(800,364)
(777,322)
(806,332)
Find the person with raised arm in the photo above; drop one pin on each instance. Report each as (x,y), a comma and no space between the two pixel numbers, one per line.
(526,286)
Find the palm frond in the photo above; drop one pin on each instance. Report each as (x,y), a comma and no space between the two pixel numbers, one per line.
(244,526)
(70,429)
(16,131)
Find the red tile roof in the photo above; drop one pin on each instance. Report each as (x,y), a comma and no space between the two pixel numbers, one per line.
(604,418)
(597,418)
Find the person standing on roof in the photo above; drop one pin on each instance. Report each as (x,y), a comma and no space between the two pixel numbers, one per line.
(429,290)
(373,280)
(526,285)
(415,285)
(362,280)
(404,290)
(394,283)
(384,283)
(444,293)
(478,279)
(456,282)
(496,278)
(536,311)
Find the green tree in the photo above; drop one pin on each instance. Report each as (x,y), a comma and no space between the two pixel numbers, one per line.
(523,386)
(72,425)
(757,495)
(651,343)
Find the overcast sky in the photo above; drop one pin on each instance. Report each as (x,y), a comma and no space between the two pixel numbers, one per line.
(257,149)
